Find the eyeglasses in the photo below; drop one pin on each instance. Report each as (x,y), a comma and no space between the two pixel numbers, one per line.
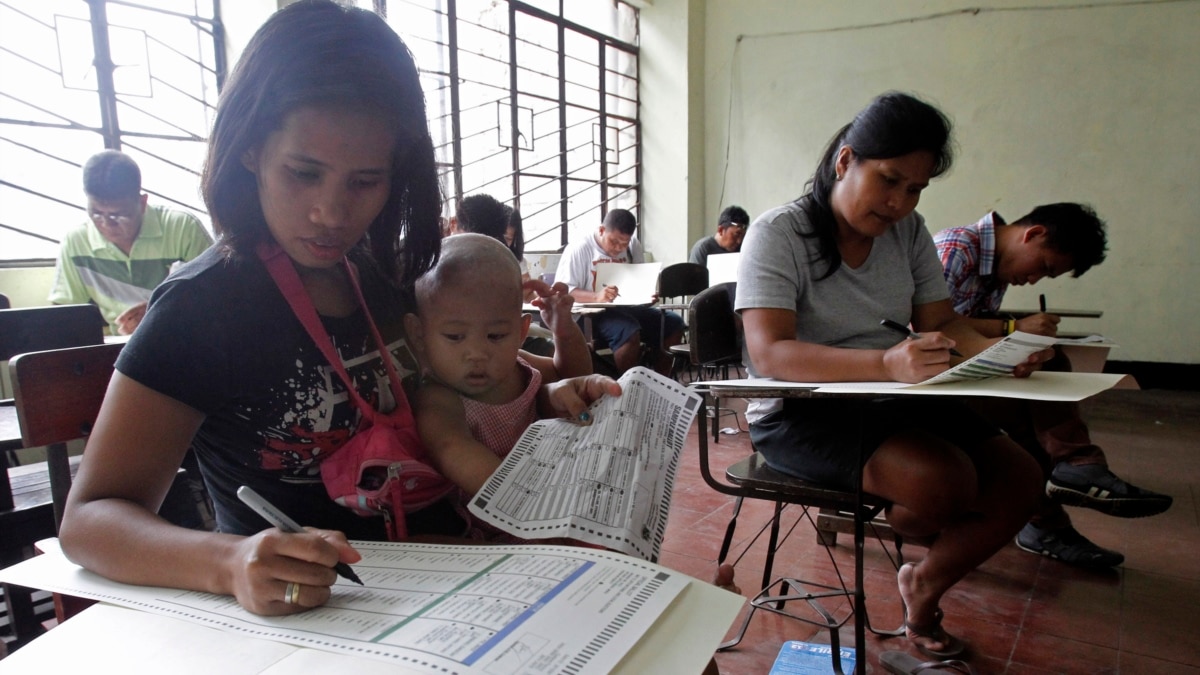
(110,218)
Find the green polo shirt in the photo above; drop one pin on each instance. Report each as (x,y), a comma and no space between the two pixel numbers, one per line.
(92,269)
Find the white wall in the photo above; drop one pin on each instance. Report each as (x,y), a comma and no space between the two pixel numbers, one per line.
(1095,104)
(27,286)
(672,115)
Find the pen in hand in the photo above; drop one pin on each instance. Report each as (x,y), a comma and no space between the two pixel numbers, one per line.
(899,328)
(1042,302)
(280,520)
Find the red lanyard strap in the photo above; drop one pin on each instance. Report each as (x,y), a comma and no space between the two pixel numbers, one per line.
(279,265)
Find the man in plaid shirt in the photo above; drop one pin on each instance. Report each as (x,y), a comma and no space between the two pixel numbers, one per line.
(980,262)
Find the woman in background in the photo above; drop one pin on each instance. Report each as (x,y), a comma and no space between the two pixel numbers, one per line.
(817,276)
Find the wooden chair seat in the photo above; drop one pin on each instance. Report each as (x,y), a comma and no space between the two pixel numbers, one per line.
(30,485)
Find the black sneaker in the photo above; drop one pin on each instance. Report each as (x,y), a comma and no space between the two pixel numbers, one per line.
(1095,487)
(1067,545)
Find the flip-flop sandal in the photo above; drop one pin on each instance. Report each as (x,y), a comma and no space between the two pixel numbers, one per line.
(932,631)
(901,663)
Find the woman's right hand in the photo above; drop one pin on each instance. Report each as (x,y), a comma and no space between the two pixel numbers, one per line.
(917,360)
(268,563)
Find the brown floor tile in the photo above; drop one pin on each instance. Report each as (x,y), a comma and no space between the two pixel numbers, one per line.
(1061,655)
(1136,664)
(1020,614)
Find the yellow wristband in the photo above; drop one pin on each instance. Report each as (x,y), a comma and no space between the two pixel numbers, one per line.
(1010,326)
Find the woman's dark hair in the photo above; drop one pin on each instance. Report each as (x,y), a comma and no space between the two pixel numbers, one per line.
(893,125)
(484,214)
(517,223)
(317,53)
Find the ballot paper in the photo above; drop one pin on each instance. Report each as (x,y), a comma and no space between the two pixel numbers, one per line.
(443,610)
(985,374)
(998,360)
(1003,357)
(607,483)
(637,283)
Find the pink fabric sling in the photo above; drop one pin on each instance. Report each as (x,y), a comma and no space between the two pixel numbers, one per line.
(381,470)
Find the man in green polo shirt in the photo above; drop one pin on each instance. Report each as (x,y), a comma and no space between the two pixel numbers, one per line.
(127,250)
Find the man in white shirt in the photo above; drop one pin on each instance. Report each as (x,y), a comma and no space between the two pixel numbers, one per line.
(623,328)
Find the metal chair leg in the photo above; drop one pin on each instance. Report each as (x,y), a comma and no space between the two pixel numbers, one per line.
(727,542)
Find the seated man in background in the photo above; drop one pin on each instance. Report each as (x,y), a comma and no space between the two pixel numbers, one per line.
(731,229)
(980,261)
(624,328)
(129,248)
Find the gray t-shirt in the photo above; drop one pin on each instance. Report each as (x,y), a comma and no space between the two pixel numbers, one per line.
(780,270)
(704,248)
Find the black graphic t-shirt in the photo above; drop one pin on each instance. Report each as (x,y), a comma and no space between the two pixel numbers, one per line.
(220,337)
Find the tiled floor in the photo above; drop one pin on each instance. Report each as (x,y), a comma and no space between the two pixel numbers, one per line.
(1020,614)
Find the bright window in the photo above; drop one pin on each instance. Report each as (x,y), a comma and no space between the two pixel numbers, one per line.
(57,109)
(557,135)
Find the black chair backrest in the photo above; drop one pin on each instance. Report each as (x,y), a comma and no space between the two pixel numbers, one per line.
(4,303)
(682,279)
(713,331)
(35,329)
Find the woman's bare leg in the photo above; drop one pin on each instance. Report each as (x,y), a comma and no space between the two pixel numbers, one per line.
(975,506)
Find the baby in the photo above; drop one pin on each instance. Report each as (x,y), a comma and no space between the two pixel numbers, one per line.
(481,391)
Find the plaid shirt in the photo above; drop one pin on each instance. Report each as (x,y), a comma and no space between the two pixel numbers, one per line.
(969,262)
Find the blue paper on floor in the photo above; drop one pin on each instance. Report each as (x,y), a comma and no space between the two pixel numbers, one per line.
(808,658)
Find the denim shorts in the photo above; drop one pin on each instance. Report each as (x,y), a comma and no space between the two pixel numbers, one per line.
(616,326)
(827,440)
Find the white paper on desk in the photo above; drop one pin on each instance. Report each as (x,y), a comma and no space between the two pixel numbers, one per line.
(637,283)
(470,610)
(608,483)
(1086,341)
(723,267)
(1040,386)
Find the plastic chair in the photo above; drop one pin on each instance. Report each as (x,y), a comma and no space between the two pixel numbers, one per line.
(714,345)
(676,285)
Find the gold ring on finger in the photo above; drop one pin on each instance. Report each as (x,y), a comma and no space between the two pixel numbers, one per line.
(291,594)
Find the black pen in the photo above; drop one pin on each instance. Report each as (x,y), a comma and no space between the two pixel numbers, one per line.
(1042,302)
(280,520)
(900,328)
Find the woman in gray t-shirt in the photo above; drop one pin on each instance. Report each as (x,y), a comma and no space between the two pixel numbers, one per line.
(816,278)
